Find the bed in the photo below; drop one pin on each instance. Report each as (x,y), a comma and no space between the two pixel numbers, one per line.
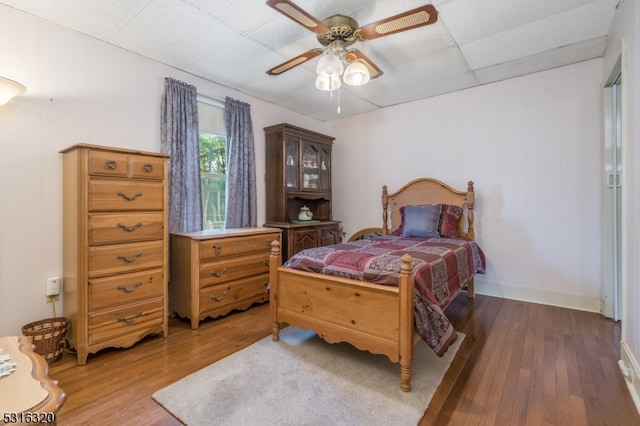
(372,291)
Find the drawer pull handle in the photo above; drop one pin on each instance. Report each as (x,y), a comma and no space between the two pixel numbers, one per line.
(218,249)
(129,289)
(269,241)
(148,167)
(265,262)
(130,228)
(128,198)
(265,283)
(130,320)
(111,164)
(217,299)
(129,259)
(219,274)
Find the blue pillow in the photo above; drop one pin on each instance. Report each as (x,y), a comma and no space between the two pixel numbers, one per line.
(421,221)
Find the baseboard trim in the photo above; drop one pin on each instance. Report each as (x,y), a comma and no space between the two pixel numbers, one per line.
(563,300)
(631,372)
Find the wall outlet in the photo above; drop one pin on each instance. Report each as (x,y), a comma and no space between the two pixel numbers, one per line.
(53,287)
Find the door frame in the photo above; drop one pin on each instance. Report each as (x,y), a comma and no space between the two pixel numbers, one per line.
(610,295)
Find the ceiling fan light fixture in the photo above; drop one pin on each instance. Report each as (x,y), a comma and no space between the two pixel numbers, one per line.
(328,83)
(329,64)
(338,33)
(356,74)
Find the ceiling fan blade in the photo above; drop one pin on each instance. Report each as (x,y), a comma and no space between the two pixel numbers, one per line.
(293,11)
(415,18)
(291,63)
(355,55)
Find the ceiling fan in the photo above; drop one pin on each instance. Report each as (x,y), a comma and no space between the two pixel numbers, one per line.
(337,33)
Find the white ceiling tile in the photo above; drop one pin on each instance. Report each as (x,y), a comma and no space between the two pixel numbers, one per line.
(97,18)
(298,81)
(440,65)
(238,63)
(346,109)
(324,9)
(398,49)
(542,61)
(242,15)
(279,32)
(573,26)
(426,90)
(310,102)
(472,20)
(324,105)
(154,30)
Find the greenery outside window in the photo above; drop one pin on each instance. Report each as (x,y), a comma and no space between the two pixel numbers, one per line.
(213,162)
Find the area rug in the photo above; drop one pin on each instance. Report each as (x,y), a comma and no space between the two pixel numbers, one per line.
(303,380)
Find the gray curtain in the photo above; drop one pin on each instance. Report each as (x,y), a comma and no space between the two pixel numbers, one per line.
(180,139)
(241,166)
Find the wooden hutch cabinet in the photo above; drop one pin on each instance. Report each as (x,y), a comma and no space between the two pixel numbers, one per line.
(298,173)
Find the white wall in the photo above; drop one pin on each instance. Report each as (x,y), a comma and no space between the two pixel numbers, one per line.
(626,32)
(78,90)
(532,147)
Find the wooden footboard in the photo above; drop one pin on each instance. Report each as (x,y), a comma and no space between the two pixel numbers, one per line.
(371,317)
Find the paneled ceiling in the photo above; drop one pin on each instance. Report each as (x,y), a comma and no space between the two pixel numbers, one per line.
(234,42)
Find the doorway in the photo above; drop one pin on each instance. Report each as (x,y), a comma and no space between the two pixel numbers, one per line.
(612,198)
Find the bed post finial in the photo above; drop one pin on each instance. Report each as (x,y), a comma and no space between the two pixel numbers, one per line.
(470,216)
(275,247)
(385,203)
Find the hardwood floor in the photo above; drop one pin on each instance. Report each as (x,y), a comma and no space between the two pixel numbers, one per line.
(524,363)
(520,363)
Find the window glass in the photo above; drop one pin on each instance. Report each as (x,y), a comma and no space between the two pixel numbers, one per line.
(213,164)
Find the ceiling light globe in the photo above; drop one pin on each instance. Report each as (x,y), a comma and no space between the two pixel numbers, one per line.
(356,74)
(329,65)
(328,83)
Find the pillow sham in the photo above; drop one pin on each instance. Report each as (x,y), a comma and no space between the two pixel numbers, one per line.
(449,216)
(421,221)
(448,221)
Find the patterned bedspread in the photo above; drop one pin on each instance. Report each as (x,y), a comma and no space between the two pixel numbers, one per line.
(441,266)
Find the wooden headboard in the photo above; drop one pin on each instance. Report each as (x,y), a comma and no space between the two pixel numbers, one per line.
(428,191)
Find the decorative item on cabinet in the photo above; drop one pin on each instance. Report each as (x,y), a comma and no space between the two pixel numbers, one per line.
(305,214)
(115,238)
(298,179)
(216,272)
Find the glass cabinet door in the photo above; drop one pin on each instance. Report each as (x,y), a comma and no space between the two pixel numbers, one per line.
(310,165)
(325,169)
(291,164)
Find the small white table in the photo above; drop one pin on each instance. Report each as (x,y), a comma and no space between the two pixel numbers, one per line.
(28,395)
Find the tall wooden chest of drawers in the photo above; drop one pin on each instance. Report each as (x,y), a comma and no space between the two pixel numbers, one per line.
(216,272)
(115,246)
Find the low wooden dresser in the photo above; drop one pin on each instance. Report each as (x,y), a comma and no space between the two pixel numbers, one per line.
(115,246)
(216,272)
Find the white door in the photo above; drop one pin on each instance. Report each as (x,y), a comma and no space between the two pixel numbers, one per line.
(612,202)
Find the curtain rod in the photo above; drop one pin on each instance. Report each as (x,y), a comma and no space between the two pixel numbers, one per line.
(211,101)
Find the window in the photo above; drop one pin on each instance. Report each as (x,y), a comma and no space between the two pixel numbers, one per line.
(213,162)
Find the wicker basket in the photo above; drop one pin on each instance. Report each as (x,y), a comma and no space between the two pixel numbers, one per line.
(48,337)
